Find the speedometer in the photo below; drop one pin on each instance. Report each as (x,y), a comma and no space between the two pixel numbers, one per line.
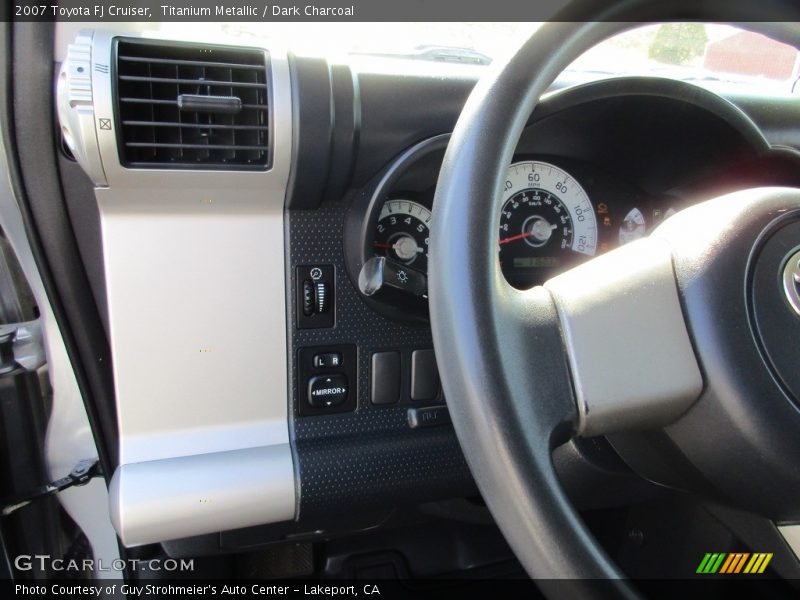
(547,223)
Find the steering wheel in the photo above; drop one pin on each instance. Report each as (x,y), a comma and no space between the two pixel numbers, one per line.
(689,335)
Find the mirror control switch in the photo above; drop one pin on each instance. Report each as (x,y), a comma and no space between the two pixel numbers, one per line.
(327,360)
(327,390)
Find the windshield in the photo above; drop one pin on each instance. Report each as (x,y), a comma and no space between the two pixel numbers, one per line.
(709,54)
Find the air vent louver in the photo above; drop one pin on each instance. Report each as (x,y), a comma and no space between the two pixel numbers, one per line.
(188,106)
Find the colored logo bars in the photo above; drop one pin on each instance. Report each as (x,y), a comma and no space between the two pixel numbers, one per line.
(735,562)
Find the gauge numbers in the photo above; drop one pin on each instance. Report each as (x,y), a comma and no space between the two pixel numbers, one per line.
(547,222)
(402,233)
(633,227)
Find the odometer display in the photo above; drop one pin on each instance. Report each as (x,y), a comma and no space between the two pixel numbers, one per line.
(547,223)
(527,262)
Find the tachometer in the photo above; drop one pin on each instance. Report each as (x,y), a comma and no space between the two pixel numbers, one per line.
(402,233)
(547,223)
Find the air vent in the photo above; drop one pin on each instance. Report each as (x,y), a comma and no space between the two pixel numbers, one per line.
(188,106)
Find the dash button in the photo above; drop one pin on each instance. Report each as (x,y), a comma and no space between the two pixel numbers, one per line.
(429,416)
(327,390)
(327,360)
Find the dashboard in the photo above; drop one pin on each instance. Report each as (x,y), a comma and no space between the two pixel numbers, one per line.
(320,236)
(571,192)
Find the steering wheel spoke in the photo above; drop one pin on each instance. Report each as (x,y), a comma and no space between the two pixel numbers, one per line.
(535,365)
(630,356)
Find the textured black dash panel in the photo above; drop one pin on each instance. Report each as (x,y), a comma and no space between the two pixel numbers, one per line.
(369,458)
(372,459)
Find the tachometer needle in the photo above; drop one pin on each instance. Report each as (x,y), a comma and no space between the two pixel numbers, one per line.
(386,246)
(514,238)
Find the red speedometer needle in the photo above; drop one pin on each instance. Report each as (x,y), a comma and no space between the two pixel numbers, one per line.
(387,246)
(514,238)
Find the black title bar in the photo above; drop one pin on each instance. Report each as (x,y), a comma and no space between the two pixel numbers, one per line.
(375,10)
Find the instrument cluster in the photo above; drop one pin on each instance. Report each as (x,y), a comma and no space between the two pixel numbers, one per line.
(554,212)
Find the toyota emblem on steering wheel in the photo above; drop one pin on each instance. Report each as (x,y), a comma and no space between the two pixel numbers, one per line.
(791,280)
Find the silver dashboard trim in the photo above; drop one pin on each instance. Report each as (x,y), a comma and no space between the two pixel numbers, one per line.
(791,534)
(226,490)
(195,284)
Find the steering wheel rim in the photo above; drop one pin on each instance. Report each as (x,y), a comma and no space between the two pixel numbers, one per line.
(480,324)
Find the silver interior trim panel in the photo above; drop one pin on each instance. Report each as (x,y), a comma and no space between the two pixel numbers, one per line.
(224,490)
(791,533)
(194,267)
(632,362)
